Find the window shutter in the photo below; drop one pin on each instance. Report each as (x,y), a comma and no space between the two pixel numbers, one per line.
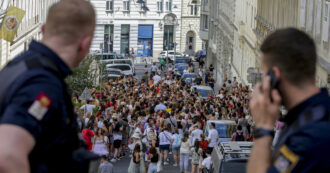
(325,29)
(310,15)
(318,17)
(107,5)
(302,13)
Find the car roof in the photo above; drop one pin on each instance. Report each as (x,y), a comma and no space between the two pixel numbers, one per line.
(109,65)
(202,87)
(120,60)
(221,121)
(240,159)
(113,69)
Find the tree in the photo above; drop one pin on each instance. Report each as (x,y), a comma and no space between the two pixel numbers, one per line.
(86,75)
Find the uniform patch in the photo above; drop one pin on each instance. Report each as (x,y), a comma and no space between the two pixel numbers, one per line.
(286,160)
(40,106)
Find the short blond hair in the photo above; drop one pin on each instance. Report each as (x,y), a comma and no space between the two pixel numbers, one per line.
(70,20)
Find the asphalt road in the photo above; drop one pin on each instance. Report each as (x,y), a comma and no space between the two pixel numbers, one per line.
(122,165)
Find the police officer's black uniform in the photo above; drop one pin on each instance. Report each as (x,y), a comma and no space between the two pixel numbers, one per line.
(38,101)
(304,142)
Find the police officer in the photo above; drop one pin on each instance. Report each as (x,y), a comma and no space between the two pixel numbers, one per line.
(38,129)
(288,59)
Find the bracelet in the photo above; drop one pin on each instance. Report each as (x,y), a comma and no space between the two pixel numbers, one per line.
(260,132)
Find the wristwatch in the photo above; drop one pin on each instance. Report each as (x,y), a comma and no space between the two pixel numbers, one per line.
(260,132)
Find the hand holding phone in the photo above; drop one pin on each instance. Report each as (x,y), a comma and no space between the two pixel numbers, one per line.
(274,81)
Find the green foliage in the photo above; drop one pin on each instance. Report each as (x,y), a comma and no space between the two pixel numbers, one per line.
(83,76)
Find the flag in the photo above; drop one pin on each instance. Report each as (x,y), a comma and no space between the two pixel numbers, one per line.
(11,22)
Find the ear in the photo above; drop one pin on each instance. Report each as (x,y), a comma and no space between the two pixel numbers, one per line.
(84,45)
(43,29)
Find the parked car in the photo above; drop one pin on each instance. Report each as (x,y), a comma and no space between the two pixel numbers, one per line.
(225,129)
(126,69)
(180,64)
(189,78)
(105,57)
(113,73)
(122,61)
(231,157)
(171,54)
(204,90)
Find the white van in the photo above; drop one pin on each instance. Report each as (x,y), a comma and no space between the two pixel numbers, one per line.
(225,129)
(126,69)
(122,61)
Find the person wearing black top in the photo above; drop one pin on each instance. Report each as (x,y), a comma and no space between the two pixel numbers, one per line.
(153,156)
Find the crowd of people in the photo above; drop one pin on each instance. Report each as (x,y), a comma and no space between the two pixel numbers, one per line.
(157,118)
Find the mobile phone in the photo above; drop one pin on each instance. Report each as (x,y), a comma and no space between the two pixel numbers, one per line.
(274,81)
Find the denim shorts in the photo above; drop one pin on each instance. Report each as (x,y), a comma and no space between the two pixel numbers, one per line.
(164,147)
(176,149)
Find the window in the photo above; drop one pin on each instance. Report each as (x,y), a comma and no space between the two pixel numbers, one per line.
(205,22)
(124,39)
(126,5)
(109,5)
(169,5)
(193,8)
(160,6)
(143,5)
(108,38)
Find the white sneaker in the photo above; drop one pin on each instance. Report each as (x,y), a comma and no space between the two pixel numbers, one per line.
(165,163)
(175,165)
(113,160)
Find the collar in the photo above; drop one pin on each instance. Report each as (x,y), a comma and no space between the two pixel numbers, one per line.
(47,52)
(296,111)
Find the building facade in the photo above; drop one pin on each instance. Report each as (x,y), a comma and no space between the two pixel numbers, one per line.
(311,16)
(245,48)
(221,37)
(123,25)
(204,24)
(190,26)
(147,28)
(29,29)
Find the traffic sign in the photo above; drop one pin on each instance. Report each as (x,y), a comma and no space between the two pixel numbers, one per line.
(86,95)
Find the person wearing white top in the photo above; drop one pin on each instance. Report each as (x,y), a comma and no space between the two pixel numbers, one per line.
(88,108)
(156,79)
(212,137)
(196,134)
(184,153)
(207,161)
(164,144)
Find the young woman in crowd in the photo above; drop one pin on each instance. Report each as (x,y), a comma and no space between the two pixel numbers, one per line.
(164,144)
(184,152)
(175,143)
(153,157)
(195,157)
(100,143)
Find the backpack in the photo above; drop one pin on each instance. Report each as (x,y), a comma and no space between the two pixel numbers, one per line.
(239,137)
(176,143)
